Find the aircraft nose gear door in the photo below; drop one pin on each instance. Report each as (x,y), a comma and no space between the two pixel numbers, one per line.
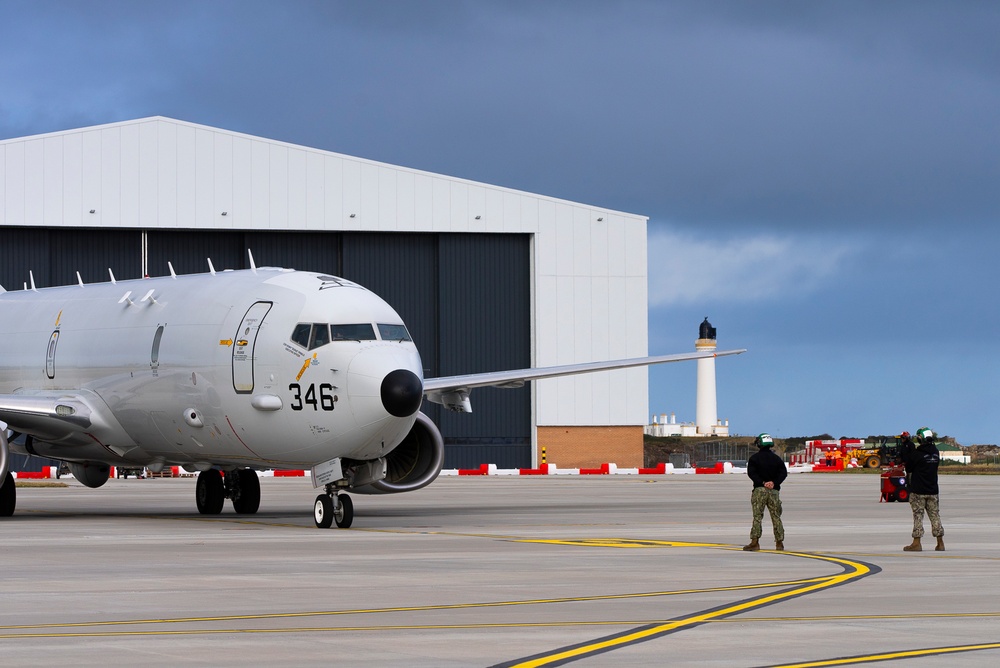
(243,347)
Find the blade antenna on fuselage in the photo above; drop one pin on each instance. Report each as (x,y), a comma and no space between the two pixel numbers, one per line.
(211,268)
(112,274)
(173,274)
(79,279)
(253,267)
(31,277)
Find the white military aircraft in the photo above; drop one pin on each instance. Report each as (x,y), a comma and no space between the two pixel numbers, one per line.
(227,373)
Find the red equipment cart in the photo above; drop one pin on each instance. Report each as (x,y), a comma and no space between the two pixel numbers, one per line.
(894,484)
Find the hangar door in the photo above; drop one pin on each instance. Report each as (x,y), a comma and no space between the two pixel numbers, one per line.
(465,297)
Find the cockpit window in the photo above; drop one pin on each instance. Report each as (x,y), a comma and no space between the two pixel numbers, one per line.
(320,335)
(360,332)
(393,332)
(313,335)
(300,334)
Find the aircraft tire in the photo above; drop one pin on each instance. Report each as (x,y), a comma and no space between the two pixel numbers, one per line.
(210,492)
(8,496)
(323,511)
(344,515)
(247,499)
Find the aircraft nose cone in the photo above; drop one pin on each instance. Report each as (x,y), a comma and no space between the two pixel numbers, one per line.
(401,392)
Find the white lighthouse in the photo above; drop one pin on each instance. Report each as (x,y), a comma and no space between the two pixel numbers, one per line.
(706,411)
(707,421)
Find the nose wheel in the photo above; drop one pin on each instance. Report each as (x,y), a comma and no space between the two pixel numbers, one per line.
(333,507)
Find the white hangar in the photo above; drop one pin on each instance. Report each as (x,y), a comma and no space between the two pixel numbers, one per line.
(486,277)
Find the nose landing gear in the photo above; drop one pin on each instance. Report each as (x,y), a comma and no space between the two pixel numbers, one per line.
(331,507)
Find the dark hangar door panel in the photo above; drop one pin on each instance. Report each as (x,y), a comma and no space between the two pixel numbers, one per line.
(189,251)
(55,256)
(304,251)
(485,324)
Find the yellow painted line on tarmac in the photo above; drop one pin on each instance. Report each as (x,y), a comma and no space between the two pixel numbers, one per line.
(305,629)
(618,542)
(854,618)
(419,608)
(891,656)
(494,625)
(853,570)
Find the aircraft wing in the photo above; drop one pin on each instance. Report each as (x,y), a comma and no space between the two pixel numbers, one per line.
(453,391)
(59,417)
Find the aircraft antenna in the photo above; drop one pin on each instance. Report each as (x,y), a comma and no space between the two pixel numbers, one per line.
(253,267)
(210,267)
(79,279)
(112,274)
(172,273)
(2,289)
(31,276)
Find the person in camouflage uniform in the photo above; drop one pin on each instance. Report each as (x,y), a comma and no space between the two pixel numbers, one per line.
(767,471)
(921,462)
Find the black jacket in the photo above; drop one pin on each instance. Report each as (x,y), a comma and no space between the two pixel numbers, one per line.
(765,466)
(921,464)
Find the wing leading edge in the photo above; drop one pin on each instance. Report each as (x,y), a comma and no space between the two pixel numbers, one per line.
(452,392)
(76,418)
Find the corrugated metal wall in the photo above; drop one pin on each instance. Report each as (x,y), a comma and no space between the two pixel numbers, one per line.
(464,297)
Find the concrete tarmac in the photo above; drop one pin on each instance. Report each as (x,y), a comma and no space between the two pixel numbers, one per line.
(510,571)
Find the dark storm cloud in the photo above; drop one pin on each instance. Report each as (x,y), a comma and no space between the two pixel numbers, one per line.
(784,113)
(820,176)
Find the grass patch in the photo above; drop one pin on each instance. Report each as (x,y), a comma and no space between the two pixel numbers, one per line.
(970,469)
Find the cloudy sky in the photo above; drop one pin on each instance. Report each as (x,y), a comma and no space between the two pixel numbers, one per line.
(822,179)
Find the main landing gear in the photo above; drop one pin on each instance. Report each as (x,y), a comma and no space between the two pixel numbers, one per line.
(333,507)
(8,495)
(242,486)
(8,491)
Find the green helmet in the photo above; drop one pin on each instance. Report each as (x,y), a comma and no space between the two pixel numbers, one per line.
(925,435)
(764,441)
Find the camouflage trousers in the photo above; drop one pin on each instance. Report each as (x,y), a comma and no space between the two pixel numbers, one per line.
(918,504)
(761,498)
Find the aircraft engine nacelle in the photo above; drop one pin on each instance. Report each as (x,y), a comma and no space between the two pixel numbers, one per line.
(91,475)
(414,463)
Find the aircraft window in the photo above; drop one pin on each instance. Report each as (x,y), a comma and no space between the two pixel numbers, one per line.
(361,332)
(393,333)
(320,335)
(300,334)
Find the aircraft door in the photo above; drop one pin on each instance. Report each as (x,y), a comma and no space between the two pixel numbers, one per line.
(154,353)
(50,355)
(243,347)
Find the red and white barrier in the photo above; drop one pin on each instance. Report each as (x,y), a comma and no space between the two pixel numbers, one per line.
(611,469)
(607,468)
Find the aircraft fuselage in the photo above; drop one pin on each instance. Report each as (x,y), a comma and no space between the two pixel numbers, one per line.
(266,368)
